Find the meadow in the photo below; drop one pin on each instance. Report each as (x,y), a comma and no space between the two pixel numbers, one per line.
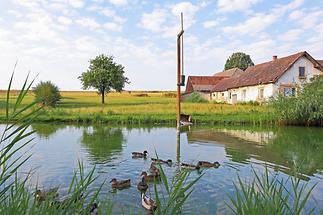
(141,107)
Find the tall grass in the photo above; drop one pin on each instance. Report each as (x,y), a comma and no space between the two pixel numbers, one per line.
(267,194)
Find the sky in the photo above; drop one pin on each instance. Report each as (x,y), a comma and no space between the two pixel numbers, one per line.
(56,39)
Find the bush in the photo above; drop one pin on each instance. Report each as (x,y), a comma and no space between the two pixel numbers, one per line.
(47,93)
(307,107)
(195,98)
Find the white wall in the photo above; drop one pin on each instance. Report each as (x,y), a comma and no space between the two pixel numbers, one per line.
(291,76)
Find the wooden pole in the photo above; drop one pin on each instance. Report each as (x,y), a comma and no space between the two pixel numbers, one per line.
(179,63)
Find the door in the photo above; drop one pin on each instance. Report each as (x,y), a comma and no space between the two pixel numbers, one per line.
(234,98)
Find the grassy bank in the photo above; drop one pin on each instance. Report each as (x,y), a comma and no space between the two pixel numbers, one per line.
(140,108)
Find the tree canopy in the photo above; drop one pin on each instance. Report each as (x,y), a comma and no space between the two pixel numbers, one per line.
(104,75)
(47,93)
(240,60)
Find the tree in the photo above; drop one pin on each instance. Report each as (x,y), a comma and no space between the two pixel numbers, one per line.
(240,60)
(104,75)
(47,93)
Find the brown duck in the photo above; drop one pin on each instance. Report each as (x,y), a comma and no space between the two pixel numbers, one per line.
(120,184)
(190,166)
(208,164)
(142,186)
(147,177)
(139,154)
(43,195)
(168,162)
(153,169)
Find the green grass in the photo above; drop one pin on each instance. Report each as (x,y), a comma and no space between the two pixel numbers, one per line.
(142,108)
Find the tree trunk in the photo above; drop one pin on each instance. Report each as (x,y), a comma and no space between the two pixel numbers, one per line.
(102,97)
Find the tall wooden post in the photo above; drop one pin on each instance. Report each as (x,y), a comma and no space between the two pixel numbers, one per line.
(179,64)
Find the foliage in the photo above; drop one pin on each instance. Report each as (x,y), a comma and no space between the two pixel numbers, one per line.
(307,107)
(47,93)
(195,98)
(104,75)
(177,192)
(240,60)
(268,194)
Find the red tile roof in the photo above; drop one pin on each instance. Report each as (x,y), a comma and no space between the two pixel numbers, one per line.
(229,72)
(264,73)
(202,83)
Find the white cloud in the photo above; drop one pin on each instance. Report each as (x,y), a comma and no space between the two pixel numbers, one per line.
(76,3)
(291,35)
(112,26)
(253,25)
(119,2)
(210,24)
(235,5)
(88,23)
(153,21)
(64,20)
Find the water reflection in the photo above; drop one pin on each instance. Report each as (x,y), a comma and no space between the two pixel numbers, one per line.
(102,142)
(283,148)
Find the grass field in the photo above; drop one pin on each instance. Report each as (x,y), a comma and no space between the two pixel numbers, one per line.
(142,107)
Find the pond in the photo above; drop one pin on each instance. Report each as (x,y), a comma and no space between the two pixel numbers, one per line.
(57,149)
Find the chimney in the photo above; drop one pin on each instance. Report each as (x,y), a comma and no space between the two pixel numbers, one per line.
(274,57)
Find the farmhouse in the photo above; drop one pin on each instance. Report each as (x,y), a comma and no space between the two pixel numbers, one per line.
(284,75)
(204,85)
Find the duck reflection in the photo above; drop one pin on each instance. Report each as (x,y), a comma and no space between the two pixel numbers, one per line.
(285,149)
(102,142)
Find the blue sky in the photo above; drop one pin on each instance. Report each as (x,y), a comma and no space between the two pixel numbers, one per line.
(55,39)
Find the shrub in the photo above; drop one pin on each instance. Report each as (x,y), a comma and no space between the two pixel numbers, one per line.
(195,98)
(306,107)
(47,93)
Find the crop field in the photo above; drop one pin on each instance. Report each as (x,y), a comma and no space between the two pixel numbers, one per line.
(141,107)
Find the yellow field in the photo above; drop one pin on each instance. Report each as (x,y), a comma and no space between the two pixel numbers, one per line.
(142,106)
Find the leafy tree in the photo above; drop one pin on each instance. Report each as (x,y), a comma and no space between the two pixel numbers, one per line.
(104,75)
(47,93)
(240,60)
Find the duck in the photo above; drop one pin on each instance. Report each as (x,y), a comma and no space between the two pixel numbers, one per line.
(153,169)
(142,185)
(43,195)
(94,209)
(147,177)
(139,154)
(120,184)
(208,164)
(190,166)
(168,162)
(148,203)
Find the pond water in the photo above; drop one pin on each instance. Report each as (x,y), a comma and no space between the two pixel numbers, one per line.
(57,149)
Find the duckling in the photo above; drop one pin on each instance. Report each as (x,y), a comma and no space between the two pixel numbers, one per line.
(139,154)
(190,166)
(43,195)
(120,184)
(147,177)
(153,169)
(148,203)
(208,164)
(142,186)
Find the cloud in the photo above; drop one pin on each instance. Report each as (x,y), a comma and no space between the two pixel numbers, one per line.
(153,21)
(64,20)
(119,2)
(166,20)
(76,3)
(291,35)
(235,5)
(210,24)
(112,26)
(88,23)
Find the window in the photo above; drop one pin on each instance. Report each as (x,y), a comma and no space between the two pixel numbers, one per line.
(261,93)
(289,91)
(229,95)
(301,72)
(244,92)
(222,94)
